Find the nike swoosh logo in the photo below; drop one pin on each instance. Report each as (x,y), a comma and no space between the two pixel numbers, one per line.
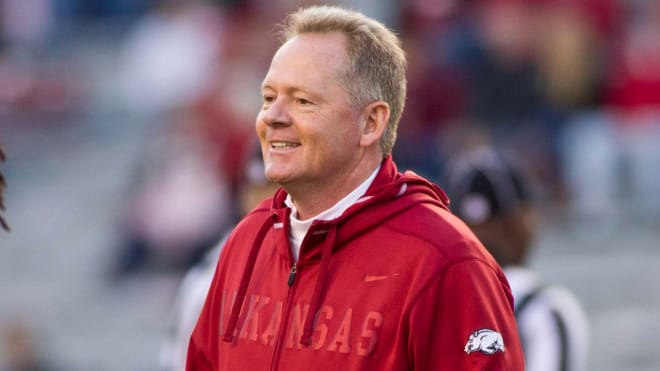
(372,278)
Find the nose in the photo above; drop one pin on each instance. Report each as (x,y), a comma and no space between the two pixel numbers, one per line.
(275,113)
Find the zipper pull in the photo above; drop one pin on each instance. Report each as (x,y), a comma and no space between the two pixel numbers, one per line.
(292,275)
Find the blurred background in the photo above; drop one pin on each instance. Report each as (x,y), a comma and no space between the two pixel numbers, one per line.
(128,125)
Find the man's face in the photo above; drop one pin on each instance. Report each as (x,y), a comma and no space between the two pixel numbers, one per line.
(308,129)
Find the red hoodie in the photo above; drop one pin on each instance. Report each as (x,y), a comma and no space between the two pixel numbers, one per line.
(395,283)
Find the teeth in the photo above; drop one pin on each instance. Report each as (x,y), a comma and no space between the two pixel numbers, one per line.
(281,145)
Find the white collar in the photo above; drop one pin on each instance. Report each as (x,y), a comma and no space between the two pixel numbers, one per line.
(337,209)
(299,227)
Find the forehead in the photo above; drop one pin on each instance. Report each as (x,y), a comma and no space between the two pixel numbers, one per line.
(309,56)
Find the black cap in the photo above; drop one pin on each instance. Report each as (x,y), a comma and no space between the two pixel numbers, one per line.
(483,184)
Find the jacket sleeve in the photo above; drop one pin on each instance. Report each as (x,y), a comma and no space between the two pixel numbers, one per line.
(464,320)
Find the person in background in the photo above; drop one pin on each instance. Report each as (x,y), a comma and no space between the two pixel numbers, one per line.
(176,206)
(493,194)
(253,188)
(352,265)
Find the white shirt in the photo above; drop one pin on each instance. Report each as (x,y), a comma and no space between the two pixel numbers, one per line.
(299,227)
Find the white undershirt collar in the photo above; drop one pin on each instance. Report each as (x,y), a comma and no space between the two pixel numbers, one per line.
(299,227)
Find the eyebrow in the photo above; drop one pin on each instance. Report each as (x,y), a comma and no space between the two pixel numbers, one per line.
(293,90)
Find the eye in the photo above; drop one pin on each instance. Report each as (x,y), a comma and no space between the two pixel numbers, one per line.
(303,101)
(268,98)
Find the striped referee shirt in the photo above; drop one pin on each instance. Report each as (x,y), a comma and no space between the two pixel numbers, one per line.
(552,324)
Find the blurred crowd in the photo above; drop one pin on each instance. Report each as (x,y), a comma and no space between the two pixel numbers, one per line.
(571,86)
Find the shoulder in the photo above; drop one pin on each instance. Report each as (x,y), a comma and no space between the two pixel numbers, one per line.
(255,217)
(441,248)
(245,231)
(438,230)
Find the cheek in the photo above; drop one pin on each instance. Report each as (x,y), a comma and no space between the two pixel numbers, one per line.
(342,125)
(348,137)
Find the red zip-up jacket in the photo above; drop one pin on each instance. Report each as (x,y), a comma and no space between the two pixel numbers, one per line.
(395,283)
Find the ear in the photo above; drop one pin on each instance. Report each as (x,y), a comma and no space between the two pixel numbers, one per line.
(377,115)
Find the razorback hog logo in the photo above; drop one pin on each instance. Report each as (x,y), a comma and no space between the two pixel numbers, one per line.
(486,341)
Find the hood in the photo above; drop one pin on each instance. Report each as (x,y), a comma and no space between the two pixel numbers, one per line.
(390,193)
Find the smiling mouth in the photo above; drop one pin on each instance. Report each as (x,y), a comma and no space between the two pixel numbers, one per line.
(283,145)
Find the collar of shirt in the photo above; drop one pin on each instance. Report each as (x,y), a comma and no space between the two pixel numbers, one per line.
(299,227)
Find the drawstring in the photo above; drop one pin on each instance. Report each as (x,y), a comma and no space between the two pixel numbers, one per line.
(315,303)
(245,280)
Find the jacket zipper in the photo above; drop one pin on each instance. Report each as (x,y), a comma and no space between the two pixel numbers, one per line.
(288,304)
(292,275)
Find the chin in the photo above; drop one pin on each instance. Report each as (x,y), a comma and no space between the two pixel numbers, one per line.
(277,177)
(278,172)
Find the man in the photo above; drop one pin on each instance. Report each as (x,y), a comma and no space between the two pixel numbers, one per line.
(351,265)
(491,193)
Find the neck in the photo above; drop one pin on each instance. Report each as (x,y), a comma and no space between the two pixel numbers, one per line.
(313,199)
